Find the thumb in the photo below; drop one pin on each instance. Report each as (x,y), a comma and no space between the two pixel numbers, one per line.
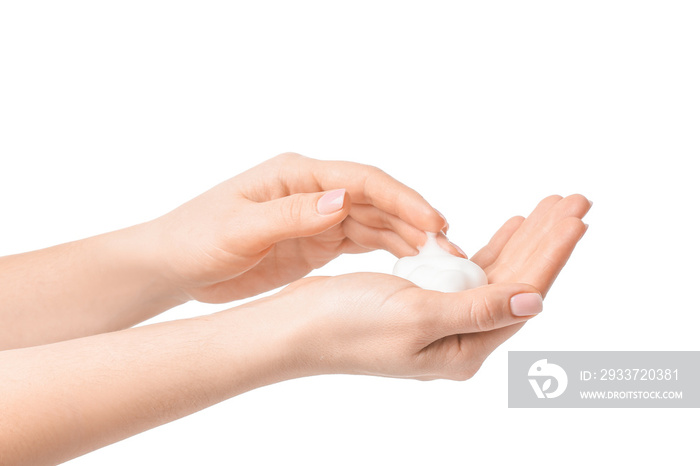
(298,215)
(486,308)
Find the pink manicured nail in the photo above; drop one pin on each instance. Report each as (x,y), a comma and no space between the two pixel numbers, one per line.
(526,304)
(447,225)
(458,249)
(331,202)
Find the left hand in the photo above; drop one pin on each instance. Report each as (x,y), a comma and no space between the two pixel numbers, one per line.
(532,250)
(383,325)
(269,226)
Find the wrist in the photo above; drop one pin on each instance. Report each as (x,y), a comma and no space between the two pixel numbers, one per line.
(131,258)
(294,326)
(270,338)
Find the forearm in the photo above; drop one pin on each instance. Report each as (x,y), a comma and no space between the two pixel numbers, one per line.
(62,400)
(98,284)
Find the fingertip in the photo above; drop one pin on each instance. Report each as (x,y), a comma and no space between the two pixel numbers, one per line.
(446,225)
(428,218)
(544,206)
(526,304)
(573,226)
(511,225)
(449,246)
(332,201)
(456,249)
(551,199)
(347,203)
(433,221)
(579,204)
(579,197)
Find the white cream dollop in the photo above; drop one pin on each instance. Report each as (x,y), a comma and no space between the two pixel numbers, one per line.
(436,269)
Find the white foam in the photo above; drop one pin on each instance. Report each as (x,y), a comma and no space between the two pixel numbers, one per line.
(433,268)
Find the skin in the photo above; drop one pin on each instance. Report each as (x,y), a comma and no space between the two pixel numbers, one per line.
(252,233)
(63,399)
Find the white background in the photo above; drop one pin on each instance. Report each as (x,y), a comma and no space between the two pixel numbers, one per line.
(112,113)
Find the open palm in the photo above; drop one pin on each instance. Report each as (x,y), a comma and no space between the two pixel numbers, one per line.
(380,324)
(530,250)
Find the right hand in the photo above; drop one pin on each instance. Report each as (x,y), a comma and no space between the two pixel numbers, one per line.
(270,225)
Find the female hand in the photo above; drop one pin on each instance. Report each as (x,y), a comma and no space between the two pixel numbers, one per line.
(378,324)
(360,324)
(534,249)
(279,220)
(383,325)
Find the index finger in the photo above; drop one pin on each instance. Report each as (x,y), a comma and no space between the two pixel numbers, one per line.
(370,185)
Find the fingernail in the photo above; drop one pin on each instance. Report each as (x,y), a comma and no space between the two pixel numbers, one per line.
(447,225)
(526,304)
(331,202)
(585,229)
(458,249)
(591,203)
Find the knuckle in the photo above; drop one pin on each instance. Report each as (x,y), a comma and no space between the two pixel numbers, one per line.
(370,172)
(482,315)
(292,211)
(287,156)
(375,170)
(376,173)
